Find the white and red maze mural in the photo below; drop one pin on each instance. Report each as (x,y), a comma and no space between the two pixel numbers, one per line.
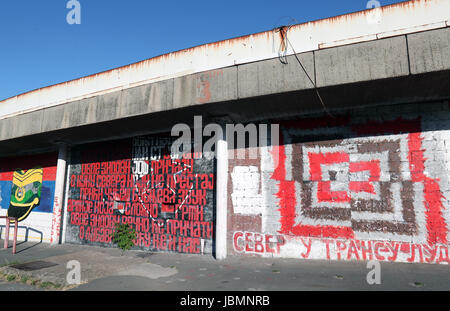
(345,188)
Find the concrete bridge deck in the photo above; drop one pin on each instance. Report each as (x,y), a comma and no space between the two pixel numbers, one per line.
(257,77)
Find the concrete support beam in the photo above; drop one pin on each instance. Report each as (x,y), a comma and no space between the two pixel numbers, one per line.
(59,194)
(206,87)
(65,216)
(429,51)
(221,197)
(380,59)
(275,88)
(107,107)
(147,98)
(272,76)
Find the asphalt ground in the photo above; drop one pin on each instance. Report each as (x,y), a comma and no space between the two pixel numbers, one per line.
(107,269)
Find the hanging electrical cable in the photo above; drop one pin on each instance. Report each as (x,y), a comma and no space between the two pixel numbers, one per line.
(283,59)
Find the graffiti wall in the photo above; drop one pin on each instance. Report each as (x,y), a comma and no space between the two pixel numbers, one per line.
(27,190)
(167,199)
(361,185)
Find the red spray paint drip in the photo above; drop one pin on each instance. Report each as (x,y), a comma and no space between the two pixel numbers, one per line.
(436,226)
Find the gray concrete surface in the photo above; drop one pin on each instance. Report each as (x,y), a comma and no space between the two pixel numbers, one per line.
(381,59)
(271,76)
(429,51)
(108,269)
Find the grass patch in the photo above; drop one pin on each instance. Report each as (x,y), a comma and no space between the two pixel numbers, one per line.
(57,286)
(9,264)
(24,278)
(48,285)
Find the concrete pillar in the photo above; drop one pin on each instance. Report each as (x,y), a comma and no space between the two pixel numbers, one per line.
(221,198)
(59,194)
(65,215)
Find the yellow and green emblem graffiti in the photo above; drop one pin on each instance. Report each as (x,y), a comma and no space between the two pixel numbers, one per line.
(25,192)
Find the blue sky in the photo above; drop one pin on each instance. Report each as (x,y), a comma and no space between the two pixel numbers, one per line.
(39,48)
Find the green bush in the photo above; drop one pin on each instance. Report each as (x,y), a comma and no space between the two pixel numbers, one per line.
(123,236)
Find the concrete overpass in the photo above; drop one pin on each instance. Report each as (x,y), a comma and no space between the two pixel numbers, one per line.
(404,58)
(385,85)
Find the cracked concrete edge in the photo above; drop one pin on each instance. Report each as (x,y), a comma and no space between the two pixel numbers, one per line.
(56,277)
(24,277)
